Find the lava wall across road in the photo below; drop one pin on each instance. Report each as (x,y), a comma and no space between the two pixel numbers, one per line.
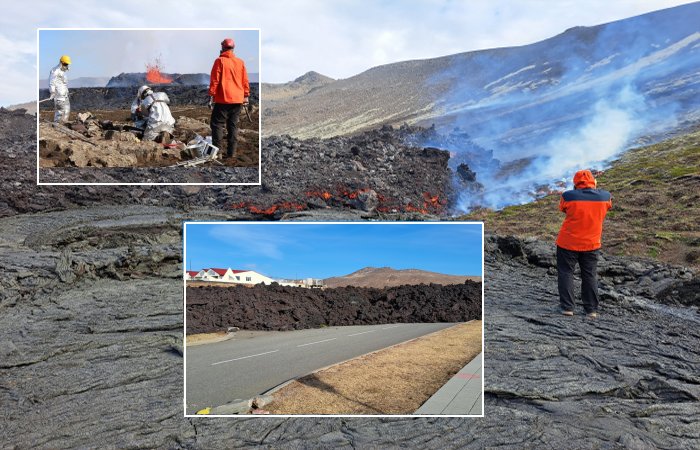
(286,308)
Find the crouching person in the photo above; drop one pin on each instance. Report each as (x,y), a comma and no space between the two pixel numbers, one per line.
(152,107)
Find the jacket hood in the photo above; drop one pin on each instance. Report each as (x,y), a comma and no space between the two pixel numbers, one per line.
(584,179)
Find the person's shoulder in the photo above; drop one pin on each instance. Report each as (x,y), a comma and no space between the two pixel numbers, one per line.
(605,195)
(567,195)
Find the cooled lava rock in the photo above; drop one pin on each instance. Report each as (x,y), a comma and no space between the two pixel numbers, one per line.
(297,175)
(213,308)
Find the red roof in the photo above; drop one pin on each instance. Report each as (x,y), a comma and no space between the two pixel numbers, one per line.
(239,271)
(219,271)
(192,272)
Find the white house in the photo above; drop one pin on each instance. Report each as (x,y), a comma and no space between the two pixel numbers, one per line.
(308,283)
(228,276)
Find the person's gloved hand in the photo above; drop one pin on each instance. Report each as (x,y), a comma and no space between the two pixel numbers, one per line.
(245,101)
(211,103)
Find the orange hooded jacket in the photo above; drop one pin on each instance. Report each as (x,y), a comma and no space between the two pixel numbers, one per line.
(585,209)
(228,82)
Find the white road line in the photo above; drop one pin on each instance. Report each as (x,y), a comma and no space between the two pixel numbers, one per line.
(389,328)
(364,332)
(317,342)
(244,357)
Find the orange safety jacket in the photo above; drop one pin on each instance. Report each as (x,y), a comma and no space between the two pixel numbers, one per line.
(228,82)
(585,209)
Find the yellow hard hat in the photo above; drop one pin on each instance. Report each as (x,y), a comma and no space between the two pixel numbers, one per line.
(65,59)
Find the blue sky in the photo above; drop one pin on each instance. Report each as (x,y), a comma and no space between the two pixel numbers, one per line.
(106,53)
(338,38)
(292,250)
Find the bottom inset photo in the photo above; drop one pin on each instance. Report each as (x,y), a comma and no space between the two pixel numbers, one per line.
(340,319)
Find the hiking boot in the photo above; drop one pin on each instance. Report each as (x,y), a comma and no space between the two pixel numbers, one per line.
(164,138)
(568,313)
(592,315)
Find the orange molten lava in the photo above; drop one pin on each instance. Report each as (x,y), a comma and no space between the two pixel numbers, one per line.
(320,194)
(283,206)
(154,75)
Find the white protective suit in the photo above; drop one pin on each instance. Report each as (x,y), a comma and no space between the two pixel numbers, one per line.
(58,88)
(155,107)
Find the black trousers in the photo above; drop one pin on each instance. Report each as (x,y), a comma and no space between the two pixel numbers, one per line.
(225,116)
(566,263)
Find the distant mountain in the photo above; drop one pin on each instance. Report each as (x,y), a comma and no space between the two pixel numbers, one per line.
(305,84)
(79,82)
(30,107)
(513,98)
(379,277)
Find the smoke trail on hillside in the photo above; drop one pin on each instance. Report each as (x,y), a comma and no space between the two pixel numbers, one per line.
(610,126)
(573,102)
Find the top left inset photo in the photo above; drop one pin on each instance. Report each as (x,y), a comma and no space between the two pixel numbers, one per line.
(148,106)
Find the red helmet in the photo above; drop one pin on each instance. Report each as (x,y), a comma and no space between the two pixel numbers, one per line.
(227,43)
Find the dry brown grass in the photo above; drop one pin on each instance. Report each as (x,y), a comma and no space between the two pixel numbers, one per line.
(397,380)
(205,338)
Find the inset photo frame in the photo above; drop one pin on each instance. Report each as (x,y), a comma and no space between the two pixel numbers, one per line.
(381,319)
(164,106)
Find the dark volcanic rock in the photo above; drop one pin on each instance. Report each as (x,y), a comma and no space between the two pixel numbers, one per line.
(285,308)
(94,359)
(405,179)
(91,319)
(107,98)
(109,338)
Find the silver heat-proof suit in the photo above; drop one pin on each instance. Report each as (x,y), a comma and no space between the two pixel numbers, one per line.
(58,88)
(155,107)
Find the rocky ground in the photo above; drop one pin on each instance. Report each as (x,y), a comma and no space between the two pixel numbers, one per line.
(373,175)
(281,308)
(102,145)
(91,324)
(91,320)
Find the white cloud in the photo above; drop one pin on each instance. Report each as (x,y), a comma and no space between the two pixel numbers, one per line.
(250,240)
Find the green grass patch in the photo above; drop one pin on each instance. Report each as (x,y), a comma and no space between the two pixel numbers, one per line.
(667,236)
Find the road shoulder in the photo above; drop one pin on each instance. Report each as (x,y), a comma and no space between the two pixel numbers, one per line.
(397,380)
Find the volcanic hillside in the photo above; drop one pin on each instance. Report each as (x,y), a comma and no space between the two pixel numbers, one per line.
(533,91)
(382,277)
(656,205)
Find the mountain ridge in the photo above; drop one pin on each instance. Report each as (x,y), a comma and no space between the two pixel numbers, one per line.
(465,89)
(381,277)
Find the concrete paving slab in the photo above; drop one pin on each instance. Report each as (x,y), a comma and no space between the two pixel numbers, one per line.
(461,395)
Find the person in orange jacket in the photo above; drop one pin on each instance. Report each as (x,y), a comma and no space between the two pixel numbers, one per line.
(579,241)
(228,92)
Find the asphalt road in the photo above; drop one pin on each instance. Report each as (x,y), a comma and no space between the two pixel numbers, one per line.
(240,369)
